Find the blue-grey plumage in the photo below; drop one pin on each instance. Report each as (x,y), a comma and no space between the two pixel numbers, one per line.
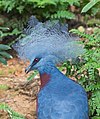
(50,38)
(61,98)
(46,45)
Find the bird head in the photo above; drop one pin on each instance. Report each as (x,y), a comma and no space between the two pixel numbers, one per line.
(39,62)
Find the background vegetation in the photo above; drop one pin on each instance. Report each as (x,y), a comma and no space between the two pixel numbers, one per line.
(78,14)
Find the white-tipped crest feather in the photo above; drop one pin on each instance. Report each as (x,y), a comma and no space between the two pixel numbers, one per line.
(50,38)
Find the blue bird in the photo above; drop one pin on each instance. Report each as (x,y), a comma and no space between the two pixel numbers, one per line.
(46,45)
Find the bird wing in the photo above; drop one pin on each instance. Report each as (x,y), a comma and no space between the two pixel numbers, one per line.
(68,110)
(62,109)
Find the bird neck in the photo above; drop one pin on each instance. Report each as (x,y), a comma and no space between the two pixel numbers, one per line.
(44,78)
(46,73)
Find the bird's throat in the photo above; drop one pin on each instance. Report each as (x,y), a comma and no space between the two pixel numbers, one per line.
(44,79)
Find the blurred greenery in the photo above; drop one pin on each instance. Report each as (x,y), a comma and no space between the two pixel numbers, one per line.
(4,54)
(12,114)
(15,13)
(88,70)
(3,87)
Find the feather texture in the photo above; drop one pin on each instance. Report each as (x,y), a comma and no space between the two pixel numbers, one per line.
(51,38)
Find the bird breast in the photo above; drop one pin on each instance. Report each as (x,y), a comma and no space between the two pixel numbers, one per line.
(44,78)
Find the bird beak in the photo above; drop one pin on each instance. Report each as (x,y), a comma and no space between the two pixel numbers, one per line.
(28,69)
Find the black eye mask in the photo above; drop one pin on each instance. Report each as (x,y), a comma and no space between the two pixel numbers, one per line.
(28,69)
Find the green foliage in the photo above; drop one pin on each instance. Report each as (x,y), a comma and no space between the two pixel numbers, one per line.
(32,75)
(88,70)
(10,5)
(15,13)
(18,13)
(42,3)
(3,87)
(4,31)
(12,114)
(93,21)
(90,5)
(63,14)
(4,54)
(57,8)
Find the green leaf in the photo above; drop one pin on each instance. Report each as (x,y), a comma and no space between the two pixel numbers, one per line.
(63,14)
(12,114)
(4,47)
(3,87)
(15,32)
(71,2)
(96,117)
(4,28)
(2,60)
(20,8)
(5,54)
(89,5)
(32,76)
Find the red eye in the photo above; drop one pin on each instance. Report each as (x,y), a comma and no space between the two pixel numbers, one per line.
(36,60)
